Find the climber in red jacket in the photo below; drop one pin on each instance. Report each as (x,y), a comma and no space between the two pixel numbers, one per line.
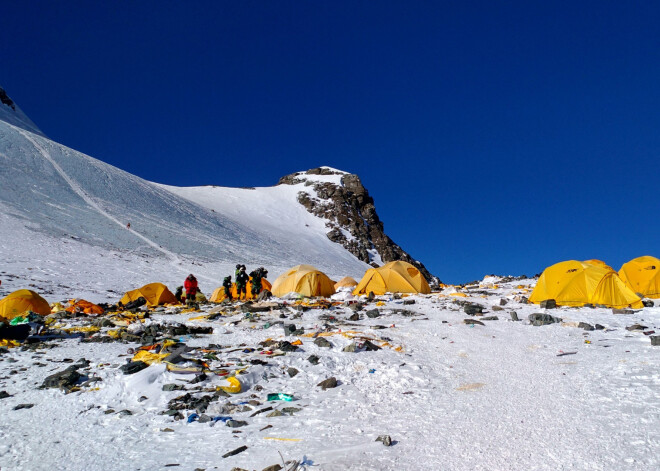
(190,286)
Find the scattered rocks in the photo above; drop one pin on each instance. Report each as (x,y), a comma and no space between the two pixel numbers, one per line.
(585,326)
(623,311)
(322,342)
(173,387)
(286,346)
(238,450)
(291,371)
(369,346)
(24,406)
(655,340)
(497,308)
(472,309)
(504,302)
(350,348)
(275,467)
(599,327)
(385,439)
(648,302)
(354,317)
(543,319)
(636,327)
(407,302)
(64,380)
(548,304)
(4,394)
(328,383)
(133,367)
(373,313)
(514,316)
(275,413)
(490,318)
(236,423)
(313,359)
(472,322)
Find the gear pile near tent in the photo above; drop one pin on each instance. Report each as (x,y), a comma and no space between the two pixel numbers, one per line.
(21,301)
(346,282)
(155,294)
(219,293)
(642,275)
(305,280)
(393,277)
(574,283)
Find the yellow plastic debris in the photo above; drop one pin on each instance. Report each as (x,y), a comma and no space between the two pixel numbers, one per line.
(460,295)
(235,386)
(148,357)
(380,303)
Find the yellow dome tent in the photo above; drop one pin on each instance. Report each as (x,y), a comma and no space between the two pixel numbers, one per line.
(303,279)
(574,283)
(642,275)
(219,293)
(393,277)
(154,293)
(346,282)
(18,302)
(598,263)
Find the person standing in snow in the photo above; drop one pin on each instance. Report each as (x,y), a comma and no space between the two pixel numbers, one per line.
(190,286)
(241,281)
(226,284)
(256,276)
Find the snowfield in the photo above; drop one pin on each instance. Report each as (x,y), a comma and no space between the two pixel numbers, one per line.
(505,395)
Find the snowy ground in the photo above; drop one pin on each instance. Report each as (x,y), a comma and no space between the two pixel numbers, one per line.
(455,397)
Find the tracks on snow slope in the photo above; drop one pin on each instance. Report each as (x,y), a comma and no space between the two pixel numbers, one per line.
(175,260)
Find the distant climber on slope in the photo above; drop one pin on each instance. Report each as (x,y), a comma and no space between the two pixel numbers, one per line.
(190,286)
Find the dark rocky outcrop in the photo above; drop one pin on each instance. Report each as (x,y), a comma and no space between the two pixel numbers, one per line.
(5,100)
(348,208)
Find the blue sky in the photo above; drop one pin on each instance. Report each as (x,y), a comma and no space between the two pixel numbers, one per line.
(494,138)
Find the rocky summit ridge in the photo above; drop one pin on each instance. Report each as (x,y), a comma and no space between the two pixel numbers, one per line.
(351,216)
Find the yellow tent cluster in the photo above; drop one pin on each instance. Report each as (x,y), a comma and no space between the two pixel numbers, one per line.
(155,294)
(574,283)
(642,275)
(303,279)
(394,277)
(219,293)
(346,282)
(21,301)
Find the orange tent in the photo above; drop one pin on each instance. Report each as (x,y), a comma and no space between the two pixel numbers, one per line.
(85,306)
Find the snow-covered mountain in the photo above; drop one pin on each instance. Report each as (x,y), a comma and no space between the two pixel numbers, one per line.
(64,215)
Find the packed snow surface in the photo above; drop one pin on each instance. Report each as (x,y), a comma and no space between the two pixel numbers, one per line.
(64,212)
(505,395)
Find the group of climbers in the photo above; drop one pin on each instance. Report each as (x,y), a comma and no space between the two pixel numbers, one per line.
(241,280)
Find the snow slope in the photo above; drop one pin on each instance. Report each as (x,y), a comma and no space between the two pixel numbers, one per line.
(54,196)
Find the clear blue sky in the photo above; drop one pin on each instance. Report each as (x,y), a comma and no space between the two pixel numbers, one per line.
(495,137)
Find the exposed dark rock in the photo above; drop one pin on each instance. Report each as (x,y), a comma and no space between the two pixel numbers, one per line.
(655,340)
(514,316)
(238,450)
(408,302)
(354,317)
(548,304)
(543,319)
(275,467)
(348,207)
(373,313)
(622,311)
(473,322)
(291,371)
(322,342)
(65,379)
(133,367)
(328,383)
(585,326)
(5,100)
(504,302)
(472,309)
(648,302)
(386,439)
(636,327)
(313,359)
(24,406)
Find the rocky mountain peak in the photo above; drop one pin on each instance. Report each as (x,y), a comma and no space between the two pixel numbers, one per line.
(350,213)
